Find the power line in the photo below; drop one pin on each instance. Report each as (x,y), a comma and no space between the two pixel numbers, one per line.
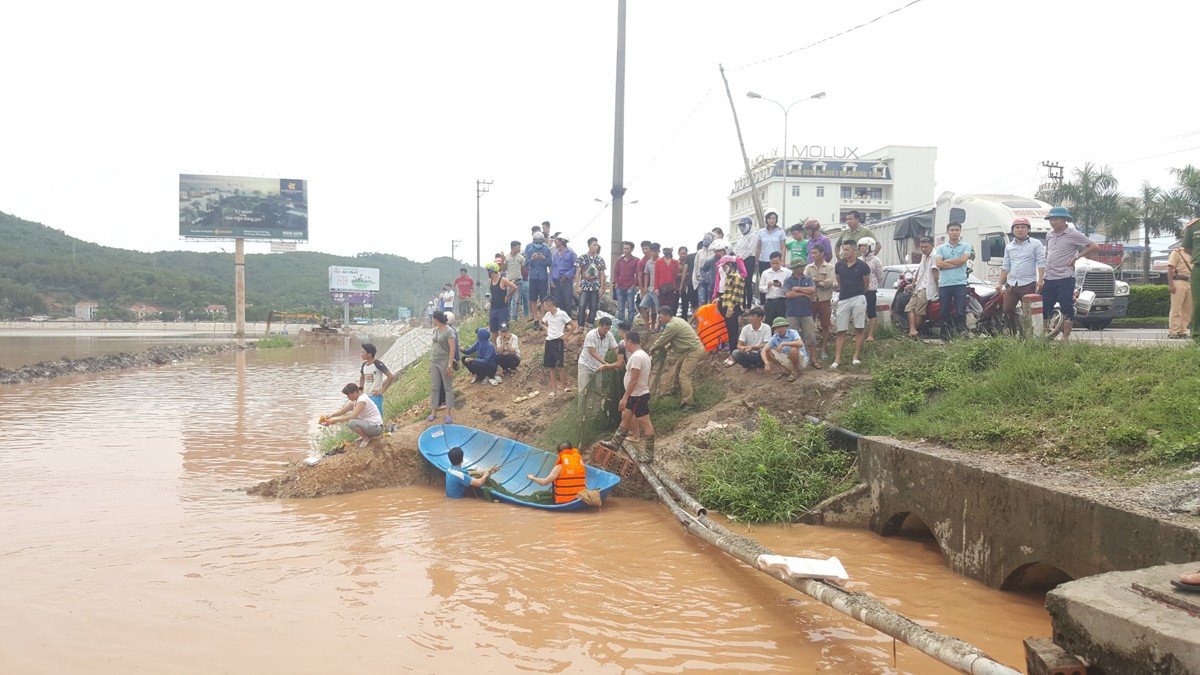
(827,39)
(672,137)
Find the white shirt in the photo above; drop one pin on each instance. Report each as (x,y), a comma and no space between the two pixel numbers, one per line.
(556,323)
(924,278)
(754,338)
(370,413)
(602,345)
(641,361)
(767,277)
(512,343)
(373,378)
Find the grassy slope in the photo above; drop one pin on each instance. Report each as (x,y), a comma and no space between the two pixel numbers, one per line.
(1118,407)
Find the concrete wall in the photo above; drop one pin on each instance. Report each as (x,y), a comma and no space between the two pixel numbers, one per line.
(1008,532)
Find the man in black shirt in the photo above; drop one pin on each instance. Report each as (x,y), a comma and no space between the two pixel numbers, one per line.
(852,277)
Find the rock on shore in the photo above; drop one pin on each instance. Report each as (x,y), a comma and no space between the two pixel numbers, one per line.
(155,356)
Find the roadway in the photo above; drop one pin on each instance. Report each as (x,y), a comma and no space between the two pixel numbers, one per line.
(1129,336)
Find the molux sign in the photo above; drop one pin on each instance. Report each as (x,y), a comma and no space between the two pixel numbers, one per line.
(819,151)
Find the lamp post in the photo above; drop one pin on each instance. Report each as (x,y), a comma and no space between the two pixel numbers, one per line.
(783,207)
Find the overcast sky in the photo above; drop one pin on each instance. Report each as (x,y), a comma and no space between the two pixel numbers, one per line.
(392,110)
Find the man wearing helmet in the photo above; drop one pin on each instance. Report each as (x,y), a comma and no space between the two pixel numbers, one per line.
(1023,269)
(1064,247)
(745,247)
(501,291)
(538,257)
(866,249)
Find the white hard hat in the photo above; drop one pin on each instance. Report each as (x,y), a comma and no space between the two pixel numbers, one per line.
(449,318)
(867,241)
(719,244)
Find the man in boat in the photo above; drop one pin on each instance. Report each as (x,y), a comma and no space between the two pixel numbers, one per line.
(458,480)
(569,475)
(360,415)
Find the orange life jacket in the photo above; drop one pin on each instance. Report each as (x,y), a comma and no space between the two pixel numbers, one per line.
(710,326)
(572,477)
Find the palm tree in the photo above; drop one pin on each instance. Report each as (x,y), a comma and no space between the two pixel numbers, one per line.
(1187,189)
(1154,211)
(1093,196)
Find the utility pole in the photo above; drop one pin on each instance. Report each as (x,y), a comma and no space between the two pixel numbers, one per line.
(454,243)
(618,189)
(481,188)
(758,210)
(1054,175)
(1055,172)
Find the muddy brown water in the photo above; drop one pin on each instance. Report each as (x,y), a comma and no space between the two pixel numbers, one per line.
(125,549)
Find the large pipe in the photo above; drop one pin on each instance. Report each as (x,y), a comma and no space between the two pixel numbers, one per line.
(951,651)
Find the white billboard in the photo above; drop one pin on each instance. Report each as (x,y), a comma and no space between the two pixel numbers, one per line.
(361,279)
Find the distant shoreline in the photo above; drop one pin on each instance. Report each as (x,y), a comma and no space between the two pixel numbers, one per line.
(226,328)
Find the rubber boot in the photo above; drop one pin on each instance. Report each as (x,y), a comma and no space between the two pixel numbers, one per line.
(647,453)
(617,439)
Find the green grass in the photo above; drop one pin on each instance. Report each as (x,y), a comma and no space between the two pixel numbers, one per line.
(1120,407)
(1153,321)
(274,342)
(774,475)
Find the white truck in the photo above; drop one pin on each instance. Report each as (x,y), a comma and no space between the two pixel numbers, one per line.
(986,222)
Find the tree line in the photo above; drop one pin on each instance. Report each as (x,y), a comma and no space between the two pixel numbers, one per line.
(46,271)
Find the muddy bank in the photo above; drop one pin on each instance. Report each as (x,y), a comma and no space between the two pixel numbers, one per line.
(155,356)
(393,460)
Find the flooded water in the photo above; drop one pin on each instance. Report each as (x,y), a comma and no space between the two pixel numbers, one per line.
(125,549)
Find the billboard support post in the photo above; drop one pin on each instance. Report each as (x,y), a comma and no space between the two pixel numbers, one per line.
(239,288)
(346,316)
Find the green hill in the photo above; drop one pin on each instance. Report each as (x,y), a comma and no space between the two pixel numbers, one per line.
(45,271)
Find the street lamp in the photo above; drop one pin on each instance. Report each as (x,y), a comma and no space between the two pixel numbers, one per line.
(783,208)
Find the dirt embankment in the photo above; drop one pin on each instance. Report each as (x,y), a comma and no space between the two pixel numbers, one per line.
(155,356)
(393,460)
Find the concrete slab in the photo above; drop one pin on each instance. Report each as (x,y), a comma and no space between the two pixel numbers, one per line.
(1119,630)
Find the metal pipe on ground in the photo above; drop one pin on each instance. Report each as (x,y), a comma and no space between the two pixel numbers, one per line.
(951,651)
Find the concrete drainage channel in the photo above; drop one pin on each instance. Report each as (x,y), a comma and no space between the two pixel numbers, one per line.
(1014,533)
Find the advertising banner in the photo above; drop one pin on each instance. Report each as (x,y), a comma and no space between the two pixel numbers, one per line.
(283,247)
(233,207)
(339,297)
(353,279)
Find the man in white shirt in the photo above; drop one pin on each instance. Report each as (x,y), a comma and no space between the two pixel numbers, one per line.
(556,321)
(635,404)
(360,415)
(752,340)
(924,285)
(508,350)
(770,284)
(598,342)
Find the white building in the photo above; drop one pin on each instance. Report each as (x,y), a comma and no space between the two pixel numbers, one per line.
(826,183)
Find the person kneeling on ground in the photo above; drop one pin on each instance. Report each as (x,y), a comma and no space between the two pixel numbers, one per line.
(785,350)
(360,415)
(569,475)
(483,364)
(753,340)
(458,480)
(681,339)
(508,351)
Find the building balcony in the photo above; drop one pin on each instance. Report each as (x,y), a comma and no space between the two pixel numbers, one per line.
(866,202)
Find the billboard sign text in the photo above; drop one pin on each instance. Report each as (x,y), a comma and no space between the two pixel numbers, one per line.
(237,207)
(353,279)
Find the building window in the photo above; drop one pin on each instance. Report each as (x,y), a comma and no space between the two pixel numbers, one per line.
(846,192)
(876,193)
(820,190)
(796,191)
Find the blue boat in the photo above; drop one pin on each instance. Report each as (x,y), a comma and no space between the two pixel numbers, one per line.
(482,450)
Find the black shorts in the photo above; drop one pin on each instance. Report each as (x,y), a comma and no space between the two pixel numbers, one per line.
(640,405)
(553,356)
(872,296)
(539,289)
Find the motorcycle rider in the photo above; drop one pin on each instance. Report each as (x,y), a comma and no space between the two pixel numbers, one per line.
(1024,267)
(924,285)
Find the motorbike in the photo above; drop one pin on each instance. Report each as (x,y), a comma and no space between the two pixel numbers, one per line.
(985,312)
